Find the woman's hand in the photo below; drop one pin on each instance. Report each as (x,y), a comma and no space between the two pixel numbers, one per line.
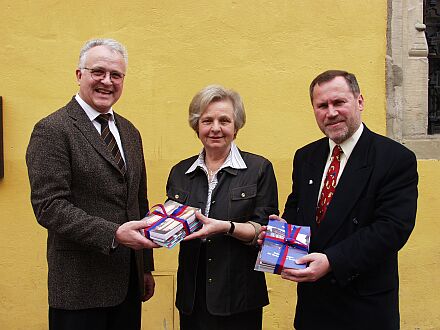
(210,227)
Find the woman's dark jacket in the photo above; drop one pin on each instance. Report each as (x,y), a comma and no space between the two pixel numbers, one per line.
(232,285)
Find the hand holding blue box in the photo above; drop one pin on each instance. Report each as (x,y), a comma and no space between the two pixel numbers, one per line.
(283,244)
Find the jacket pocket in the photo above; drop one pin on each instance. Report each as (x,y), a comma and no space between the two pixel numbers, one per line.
(177,194)
(242,193)
(66,245)
(380,280)
(242,203)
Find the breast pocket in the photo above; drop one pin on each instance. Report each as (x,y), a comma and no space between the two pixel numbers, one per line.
(177,194)
(242,202)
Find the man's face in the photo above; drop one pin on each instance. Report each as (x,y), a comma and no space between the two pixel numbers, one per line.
(337,110)
(101,94)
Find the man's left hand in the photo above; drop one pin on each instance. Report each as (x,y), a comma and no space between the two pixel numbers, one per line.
(149,286)
(318,267)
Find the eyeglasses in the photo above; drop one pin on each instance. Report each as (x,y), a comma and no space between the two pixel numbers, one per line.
(100,74)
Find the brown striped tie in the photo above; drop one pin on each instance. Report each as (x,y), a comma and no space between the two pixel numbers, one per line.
(110,140)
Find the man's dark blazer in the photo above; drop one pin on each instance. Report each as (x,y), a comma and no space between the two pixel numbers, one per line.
(79,194)
(367,222)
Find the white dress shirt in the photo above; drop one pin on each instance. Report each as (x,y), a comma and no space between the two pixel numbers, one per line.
(347,147)
(93,114)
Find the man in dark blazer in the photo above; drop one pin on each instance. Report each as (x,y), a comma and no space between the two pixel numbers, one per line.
(99,265)
(351,281)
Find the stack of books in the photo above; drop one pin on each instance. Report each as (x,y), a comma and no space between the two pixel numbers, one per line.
(170,223)
(282,246)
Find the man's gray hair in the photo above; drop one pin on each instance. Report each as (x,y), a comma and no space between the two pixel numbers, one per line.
(110,43)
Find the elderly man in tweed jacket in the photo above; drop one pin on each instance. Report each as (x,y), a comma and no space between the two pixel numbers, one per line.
(89,197)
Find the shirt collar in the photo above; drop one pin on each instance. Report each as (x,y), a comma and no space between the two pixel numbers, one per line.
(234,160)
(348,145)
(91,113)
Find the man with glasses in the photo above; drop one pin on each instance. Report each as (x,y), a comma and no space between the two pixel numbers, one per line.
(88,188)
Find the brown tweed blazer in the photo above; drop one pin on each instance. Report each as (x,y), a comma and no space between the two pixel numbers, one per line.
(80,196)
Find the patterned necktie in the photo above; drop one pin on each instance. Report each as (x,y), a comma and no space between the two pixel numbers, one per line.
(328,189)
(110,140)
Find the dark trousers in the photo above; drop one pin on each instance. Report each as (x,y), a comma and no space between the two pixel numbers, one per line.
(126,316)
(202,319)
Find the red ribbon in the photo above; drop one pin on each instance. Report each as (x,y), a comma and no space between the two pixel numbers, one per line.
(164,215)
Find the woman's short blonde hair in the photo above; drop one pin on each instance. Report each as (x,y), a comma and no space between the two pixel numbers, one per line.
(215,93)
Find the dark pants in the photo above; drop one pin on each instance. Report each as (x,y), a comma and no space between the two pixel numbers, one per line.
(126,316)
(201,319)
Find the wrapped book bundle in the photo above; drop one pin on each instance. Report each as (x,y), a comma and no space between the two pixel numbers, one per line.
(170,223)
(282,246)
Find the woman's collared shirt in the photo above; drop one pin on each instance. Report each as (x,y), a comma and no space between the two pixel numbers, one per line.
(234,160)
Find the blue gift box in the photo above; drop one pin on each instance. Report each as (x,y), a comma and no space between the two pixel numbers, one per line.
(282,246)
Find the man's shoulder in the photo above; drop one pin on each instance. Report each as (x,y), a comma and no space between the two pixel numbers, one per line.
(59,116)
(312,147)
(386,146)
(124,123)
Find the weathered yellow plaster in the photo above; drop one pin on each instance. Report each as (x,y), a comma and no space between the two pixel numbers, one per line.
(267,50)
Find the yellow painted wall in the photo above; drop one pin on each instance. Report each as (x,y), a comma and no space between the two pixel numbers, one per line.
(267,50)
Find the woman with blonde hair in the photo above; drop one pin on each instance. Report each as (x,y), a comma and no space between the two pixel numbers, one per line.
(236,191)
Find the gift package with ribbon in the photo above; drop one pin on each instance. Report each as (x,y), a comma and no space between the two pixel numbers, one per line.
(282,246)
(168,224)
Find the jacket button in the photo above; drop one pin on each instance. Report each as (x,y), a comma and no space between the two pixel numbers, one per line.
(176,196)
(213,202)
(209,241)
(333,281)
(121,180)
(355,221)
(209,280)
(243,194)
(209,260)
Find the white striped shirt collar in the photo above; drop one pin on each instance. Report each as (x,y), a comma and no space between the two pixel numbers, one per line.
(234,160)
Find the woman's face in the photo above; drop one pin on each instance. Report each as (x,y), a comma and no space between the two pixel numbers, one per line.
(217,127)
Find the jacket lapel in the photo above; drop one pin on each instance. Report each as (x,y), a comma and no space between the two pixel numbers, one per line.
(83,123)
(129,148)
(348,191)
(312,176)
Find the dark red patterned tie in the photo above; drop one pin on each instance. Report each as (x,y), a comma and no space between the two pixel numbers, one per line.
(328,189)
(110,140)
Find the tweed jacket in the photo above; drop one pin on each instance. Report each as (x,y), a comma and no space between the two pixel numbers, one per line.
(80,196)
(368,221)
(249,194)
